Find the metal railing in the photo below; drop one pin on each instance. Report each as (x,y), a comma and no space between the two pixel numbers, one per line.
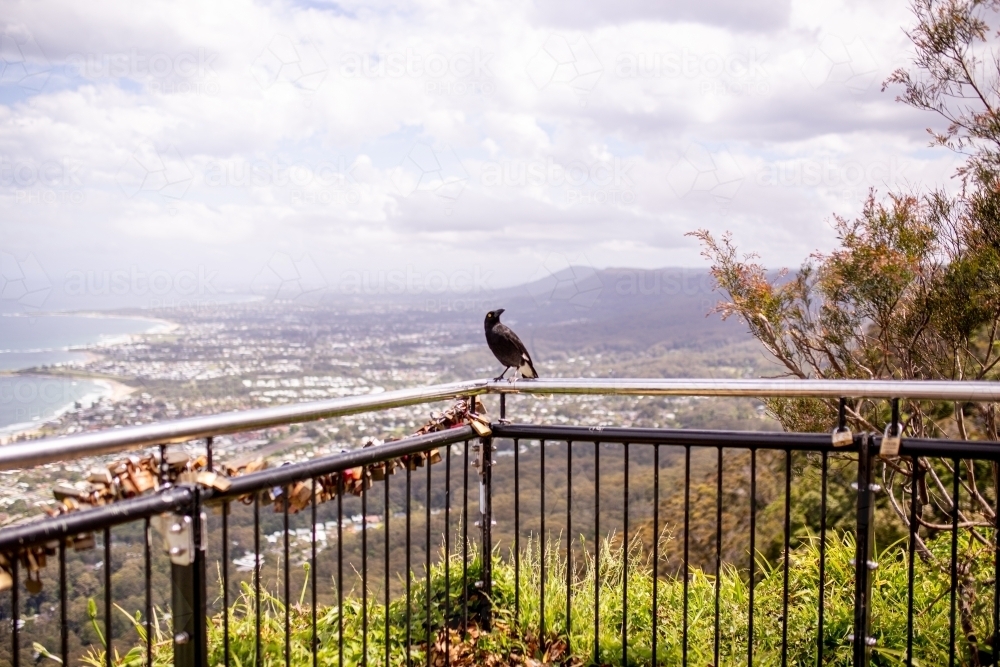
(456,591)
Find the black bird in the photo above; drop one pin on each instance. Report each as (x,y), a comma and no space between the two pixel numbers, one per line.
(507,347)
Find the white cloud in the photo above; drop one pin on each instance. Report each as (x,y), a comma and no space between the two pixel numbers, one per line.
(236,130)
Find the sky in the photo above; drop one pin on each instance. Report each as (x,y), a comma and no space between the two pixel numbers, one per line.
(170,152)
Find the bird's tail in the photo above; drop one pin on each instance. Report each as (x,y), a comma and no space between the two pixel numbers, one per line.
(527,370)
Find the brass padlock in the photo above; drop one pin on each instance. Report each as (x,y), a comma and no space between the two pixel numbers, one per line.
(213,480)
(84,541)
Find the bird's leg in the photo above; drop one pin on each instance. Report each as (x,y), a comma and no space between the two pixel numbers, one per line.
(500,377)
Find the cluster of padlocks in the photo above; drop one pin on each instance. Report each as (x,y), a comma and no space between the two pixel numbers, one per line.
(134,476)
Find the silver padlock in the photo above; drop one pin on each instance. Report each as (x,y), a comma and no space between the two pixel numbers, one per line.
(890,443)
(842,437)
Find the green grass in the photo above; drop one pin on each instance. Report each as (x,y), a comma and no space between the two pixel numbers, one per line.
(518,635)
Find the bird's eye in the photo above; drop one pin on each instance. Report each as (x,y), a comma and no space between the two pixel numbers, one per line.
(489,314)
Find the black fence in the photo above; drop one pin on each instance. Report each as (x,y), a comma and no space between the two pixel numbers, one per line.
(626,545)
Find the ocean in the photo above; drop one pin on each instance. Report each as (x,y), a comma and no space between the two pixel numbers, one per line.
(42,340)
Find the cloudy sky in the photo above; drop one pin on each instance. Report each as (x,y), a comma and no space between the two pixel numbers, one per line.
(203,146)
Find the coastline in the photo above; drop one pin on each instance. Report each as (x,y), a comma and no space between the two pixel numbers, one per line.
(111,389)
(99,388)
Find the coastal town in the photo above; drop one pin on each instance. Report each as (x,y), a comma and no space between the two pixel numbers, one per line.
(241,357)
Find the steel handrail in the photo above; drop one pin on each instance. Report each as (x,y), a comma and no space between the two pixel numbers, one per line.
(48,450)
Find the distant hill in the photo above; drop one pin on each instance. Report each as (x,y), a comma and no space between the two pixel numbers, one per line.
(620,309)
(581,308)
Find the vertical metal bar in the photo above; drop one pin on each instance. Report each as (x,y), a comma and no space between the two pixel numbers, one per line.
(517,531)
(188,591)
(822,559)
(503,406)
(314,644)
(340,569)
(15,612)
(954,560)
(753,549)
(541,544)
(786,555)
(687,550)
(364,567)
(625,561)
(63,629)
(447,561)
(409,574)
(465,544)
(862,558)
(486,498)
(225,585)
(995,644)
(108,606)
(718,550)
(597,552)
(911,548)
(656,546)
(569,537)
(386,558)
(256,577)
(208,454)
(286,583)
(427,549)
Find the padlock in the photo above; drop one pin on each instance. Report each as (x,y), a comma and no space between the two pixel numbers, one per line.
(34,584)
(62,491)
(128,487)
(213,480)
(299,496)
(187,477)
(889,447)
(482,429)
(99,476)
(6,580)
(256,465)
(177,459)
(378,472)
(84,541)
(143,480)
(435,456)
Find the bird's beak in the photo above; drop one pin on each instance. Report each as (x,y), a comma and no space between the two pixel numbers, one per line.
(499,312)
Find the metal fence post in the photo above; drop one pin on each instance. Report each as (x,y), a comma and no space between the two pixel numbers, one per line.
(486,523)
(186,546)
(864,561)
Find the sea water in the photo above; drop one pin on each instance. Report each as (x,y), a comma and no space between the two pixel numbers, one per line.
(45,340)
